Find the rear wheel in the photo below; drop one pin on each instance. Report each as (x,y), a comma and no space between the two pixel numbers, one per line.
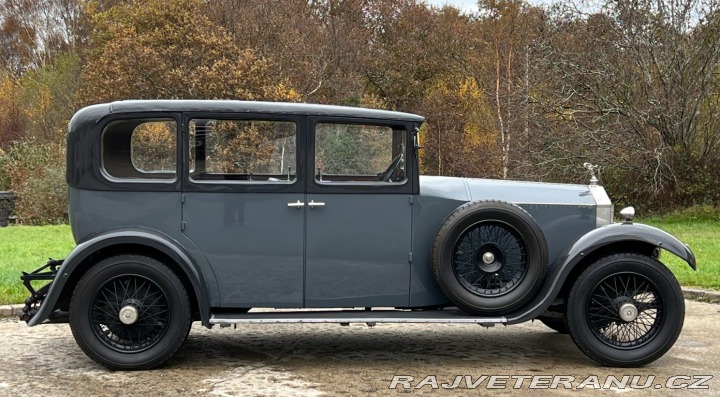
(625,310)
(130,312)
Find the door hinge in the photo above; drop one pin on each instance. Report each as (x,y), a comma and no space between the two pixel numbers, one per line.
(183,225)
(410,257)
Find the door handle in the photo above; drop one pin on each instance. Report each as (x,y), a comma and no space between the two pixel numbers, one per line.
(297,204)
(313,204)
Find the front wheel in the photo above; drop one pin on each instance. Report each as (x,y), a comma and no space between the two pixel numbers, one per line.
(130,312)
(625,310)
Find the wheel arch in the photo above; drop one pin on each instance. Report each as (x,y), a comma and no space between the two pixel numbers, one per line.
(629,246)
(607,240)
(143,242)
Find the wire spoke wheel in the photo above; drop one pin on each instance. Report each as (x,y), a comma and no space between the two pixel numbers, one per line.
(130,312)
(625,310)
(139,299)
(490,258)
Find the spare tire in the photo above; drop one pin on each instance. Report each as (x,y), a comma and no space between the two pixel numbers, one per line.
(489,257)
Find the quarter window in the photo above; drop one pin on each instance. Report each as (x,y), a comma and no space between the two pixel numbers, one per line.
(245,151)
(140,149)
(359,153)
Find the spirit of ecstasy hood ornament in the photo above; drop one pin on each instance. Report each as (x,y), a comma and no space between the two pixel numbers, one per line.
(593,169)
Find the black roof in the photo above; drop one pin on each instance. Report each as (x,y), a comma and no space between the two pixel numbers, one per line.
(184,105)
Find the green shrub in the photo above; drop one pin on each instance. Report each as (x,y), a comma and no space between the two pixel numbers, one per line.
(36,174)
(4,177)
(698,213)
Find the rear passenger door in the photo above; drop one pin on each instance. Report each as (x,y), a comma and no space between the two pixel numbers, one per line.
(243,185)
(358,236)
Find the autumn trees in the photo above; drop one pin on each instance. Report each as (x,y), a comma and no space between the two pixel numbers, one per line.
(637,84)
(160,49)
(111,51)
(513,91)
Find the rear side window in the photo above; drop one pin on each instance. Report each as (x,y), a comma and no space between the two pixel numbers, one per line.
(140,149)
(243,151)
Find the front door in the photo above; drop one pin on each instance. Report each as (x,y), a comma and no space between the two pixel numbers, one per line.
(358,234)
(240,206)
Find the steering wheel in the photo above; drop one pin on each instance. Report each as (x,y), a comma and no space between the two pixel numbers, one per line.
(385,176)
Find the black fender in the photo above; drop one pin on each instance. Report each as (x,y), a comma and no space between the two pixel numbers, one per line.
(593,242)
(139,236)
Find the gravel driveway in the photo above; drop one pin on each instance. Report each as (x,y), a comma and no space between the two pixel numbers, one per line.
(309,360)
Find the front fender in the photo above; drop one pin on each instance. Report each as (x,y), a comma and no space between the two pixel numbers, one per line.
(145,237)
(593,242)
(622,232)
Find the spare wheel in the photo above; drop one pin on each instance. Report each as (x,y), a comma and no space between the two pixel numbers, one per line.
(489,257)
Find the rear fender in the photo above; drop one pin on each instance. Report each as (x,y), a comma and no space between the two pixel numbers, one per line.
(143,237)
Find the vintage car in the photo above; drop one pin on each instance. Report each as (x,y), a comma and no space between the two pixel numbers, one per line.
(189,210)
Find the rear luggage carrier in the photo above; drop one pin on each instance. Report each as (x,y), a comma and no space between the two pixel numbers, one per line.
(32,304)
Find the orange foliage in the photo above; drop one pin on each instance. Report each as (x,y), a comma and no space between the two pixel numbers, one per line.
(160,49)
(11,125)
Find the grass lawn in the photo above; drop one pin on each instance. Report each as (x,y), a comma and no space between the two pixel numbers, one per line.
(703,237)
(28,247)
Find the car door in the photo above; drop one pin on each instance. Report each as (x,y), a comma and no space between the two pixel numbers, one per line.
(358,233)
(242,187)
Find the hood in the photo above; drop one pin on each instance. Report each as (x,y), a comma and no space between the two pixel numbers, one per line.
(471,189)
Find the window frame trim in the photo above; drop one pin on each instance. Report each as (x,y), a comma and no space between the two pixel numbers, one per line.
(296,186)
(408,187)
(116,179)
(138,184)
(360,182)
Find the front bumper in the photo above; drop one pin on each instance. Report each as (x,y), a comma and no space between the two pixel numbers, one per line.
(44,273)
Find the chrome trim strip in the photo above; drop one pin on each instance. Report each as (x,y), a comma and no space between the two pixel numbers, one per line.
(599,195)
(605,210)
(357,316)
(586,205)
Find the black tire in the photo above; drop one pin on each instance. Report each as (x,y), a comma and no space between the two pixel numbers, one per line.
(518,262)
(593,310)
(158,297)
(556,323)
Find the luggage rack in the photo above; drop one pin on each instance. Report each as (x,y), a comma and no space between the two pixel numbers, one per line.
(345,317)
(44,273)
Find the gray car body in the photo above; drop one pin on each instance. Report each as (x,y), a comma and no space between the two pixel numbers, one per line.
(238,249)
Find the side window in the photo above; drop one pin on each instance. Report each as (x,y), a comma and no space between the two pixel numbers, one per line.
(244,151)
(359,153)
(140,149)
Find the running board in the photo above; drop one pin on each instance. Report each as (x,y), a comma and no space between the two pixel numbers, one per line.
(355,316)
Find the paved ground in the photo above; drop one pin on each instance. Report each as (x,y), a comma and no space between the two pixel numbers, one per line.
(286,360)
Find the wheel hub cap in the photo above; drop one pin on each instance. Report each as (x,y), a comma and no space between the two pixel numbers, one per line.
(129,315)
(488,258)
(628,312)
